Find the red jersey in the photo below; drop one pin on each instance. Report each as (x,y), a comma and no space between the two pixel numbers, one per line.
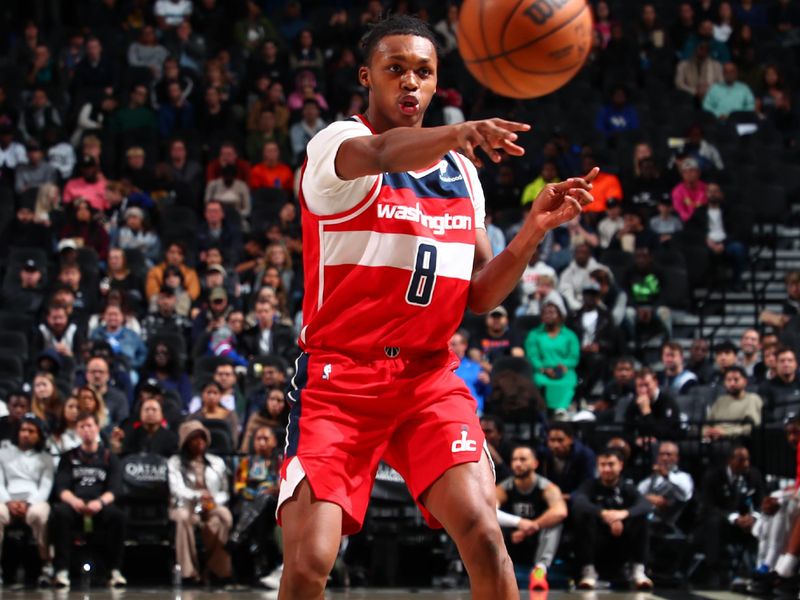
(388,258)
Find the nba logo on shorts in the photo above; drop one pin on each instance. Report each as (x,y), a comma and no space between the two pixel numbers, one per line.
(464,445)
(326,371)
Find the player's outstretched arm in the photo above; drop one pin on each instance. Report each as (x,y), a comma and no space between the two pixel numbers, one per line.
(413,148)
(493,279)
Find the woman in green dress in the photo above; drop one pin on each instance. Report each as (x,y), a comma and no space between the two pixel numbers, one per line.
(554,351)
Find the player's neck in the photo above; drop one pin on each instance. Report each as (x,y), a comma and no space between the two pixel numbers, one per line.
(379,123)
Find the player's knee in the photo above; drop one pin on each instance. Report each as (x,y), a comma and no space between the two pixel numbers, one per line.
(307,573)
(482,539)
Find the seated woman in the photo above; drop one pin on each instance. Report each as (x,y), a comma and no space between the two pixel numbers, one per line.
(198,483)
(92,402)
(211,409)
(274,414)
(46,401)
(65,435)
(83,225)
(554,352)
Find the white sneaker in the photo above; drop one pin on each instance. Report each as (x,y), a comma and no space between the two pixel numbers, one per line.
(588,578)
(639,579)
(273,580)
(61,580)
(117,579)
(45,575)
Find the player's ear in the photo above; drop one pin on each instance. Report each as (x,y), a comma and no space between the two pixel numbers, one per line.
(363,77)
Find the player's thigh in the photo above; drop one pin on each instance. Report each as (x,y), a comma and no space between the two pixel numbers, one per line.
(311,530)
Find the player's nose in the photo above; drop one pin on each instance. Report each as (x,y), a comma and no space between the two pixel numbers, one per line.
(409,80)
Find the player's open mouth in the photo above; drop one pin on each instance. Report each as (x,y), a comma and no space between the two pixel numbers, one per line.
(409,105)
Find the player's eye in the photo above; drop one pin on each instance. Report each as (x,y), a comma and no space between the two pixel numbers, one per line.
(425,72)
(395,68)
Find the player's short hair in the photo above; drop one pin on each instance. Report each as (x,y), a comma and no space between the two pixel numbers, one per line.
(396,25)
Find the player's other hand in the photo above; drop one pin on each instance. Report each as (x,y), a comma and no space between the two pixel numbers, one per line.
(559,203)
(490,135)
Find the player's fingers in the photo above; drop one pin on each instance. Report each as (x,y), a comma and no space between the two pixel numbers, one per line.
(511,125)
(571,183)
(571,208)
(512,148)
(469,151)
(581,195)
(487,147)
(589,177)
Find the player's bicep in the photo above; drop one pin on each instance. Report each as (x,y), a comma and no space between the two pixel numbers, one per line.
(357,157)
(483,250)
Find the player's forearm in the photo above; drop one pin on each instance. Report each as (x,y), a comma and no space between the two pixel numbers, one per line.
(491,284)
(397,150)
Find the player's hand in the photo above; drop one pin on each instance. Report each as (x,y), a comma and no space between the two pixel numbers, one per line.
(616,528)
(559,203)
(490,135)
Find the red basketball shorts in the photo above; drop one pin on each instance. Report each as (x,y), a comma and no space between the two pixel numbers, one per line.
(347,415)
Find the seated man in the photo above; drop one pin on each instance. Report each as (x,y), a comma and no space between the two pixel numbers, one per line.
(668,488)
(87,483)
(675,378)
(653,415)
(198,483)
(736,404)
(18,403)
(611,516)
(530,510)
(26,478)
(147,434)
(729,504)
(566,461)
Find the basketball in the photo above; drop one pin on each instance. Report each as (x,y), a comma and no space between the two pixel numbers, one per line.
(524,48)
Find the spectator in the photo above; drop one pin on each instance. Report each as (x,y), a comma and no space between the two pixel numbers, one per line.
(301,132)
(471,372)
(642,283)
(35,171)
(534,508)
(271,172)
(649,186)
(214,119)
(729,95)
(790,306)
(611,515)
(83,227)
(183,170)
(46,401)
(719,227)
(228,155)
(781,394)
(26,479)
(165,319)
(698,72)
(58,333)
(274,414)
(618,393)
(750,355)
(605,185)
(729,504)
(498,446)
(665,224)
(576,276)
(164,366)
(774,100)
(135,120)
(134,235)
(692,192)
(90,185)
(176,115)
(87,484)
(148,434)
(231,399)
(495,339)
(724,24)
(272,377)
(697,147)
(198,483)
(736,404)
(717,50)
(94,72)
(548,174)
(668,489)
(255,488)
(675,378)
(18,403)
(567,462)
(65,436)
(700,362)
(612,223)
(653,415)
(267,336)
(618,116)
(212,410)
(212,315)
(633,233)
(147,53)
(171,13)
(27,296)
(264,130)
(230,191)
(91,402)
(173,257)
(98,377)
(123,341)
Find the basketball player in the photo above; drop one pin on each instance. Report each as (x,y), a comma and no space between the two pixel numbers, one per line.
(533,507)
(394,250)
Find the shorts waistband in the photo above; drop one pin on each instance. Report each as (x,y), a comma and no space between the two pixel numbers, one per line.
(384,353)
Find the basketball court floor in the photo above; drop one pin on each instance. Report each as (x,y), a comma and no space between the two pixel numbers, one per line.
(361,594)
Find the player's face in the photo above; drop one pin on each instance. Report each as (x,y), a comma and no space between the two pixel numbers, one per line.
(401,79)
(523,462)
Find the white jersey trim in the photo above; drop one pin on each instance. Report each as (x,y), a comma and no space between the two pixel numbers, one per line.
(376,249)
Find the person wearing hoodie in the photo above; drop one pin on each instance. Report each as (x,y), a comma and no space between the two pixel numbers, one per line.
(26,478)
(198,483)
(577,275)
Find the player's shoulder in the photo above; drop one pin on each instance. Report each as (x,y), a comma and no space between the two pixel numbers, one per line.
(351,125)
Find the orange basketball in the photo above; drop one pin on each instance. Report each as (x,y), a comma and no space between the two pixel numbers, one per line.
(524,48)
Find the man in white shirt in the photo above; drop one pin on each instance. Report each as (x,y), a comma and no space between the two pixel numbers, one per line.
(26,478)
(668,488)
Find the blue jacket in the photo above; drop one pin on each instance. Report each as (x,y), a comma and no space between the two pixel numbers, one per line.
(468,371)
(580,466)
(125,342)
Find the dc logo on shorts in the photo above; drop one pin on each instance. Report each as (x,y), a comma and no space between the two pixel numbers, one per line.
(464,445)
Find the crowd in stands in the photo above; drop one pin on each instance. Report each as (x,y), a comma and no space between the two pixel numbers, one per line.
(150,159)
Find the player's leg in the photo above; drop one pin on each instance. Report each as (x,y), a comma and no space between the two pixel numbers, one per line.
(312,531)
(463,501)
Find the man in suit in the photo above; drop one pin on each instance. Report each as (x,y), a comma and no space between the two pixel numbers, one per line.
(267,336)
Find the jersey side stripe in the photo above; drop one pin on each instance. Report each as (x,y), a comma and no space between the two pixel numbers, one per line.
(375,249)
